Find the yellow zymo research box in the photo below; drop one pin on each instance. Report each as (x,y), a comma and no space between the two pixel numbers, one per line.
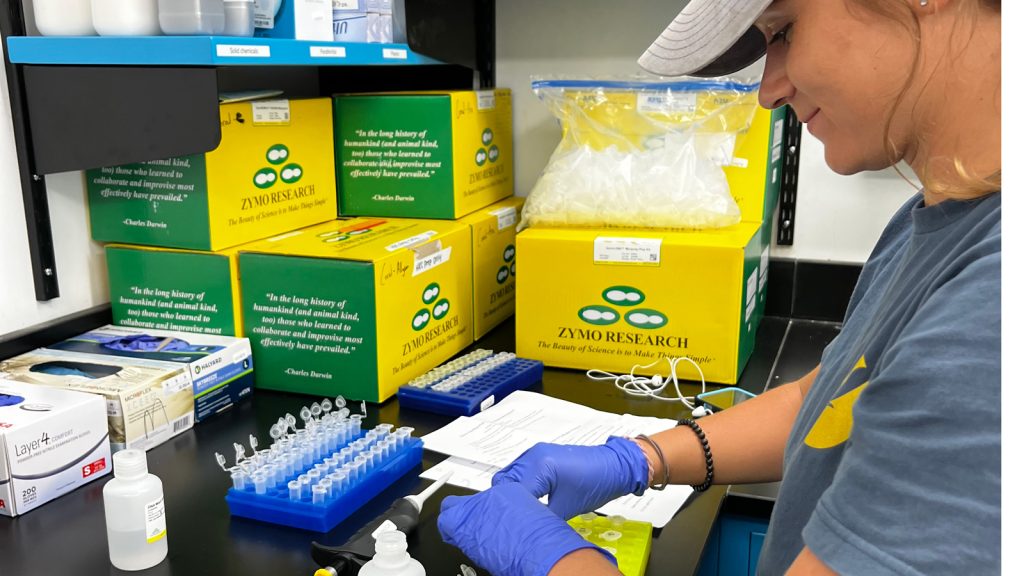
(357,307)
(755,178)
(148,401)
(423,155)
(272,172)
(494,263)
(615,299)
(173,289)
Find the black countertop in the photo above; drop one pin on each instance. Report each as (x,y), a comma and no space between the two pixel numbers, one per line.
(69,534)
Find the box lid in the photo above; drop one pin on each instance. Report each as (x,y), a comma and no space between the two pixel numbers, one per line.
(737,236)
(23,405)
(164,345)
(359,239)
(100,374)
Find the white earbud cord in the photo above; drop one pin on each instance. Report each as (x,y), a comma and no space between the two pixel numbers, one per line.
(652,387)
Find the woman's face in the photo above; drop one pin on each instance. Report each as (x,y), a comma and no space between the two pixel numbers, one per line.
(841,68)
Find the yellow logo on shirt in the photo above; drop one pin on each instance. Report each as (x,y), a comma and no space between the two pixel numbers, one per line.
(835,423)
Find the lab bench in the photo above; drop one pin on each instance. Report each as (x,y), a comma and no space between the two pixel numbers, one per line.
(69,534)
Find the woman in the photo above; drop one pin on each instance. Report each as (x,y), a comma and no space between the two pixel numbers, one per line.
(885,468)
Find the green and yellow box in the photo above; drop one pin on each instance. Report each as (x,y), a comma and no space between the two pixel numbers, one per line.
(357,307)
(494,263)
(755,177)
(173,289)
(423,155)
(272,172)
(619,299)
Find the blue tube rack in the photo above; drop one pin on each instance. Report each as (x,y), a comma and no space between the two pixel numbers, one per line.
(275,506)
(476,395)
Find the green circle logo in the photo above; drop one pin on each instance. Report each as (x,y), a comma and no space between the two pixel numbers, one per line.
(487,137)
(431,292)
(510,253)
(646,319)
(441,309)
(277,154)
(623,296)
(291,173)
(503,274)
(265,178)
(512,268)
(598,315)
(420,320)
(492,154)
(481,157)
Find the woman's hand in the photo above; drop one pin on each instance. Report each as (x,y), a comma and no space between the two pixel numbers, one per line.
(579,479)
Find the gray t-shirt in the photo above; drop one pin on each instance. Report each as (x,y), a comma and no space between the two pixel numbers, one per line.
(893,464)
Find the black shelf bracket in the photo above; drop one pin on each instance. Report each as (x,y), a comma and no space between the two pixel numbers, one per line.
(793,132)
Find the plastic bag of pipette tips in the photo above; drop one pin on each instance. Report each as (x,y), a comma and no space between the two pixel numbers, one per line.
(641,152)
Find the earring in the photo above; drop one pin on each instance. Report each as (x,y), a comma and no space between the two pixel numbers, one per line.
(924,3)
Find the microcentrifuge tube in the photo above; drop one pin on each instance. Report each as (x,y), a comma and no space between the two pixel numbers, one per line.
(319,494)
(259,480)
(326,406)
(338,481)
(306,483)
(378,455)
(294,491)
(611,535)
(306,416)
(315,410)
(238,480)
(588,517)
(339,402)
(617,521)
(314,475)
(325,483)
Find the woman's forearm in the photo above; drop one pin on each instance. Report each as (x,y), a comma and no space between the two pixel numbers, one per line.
(746,441)
(586,561)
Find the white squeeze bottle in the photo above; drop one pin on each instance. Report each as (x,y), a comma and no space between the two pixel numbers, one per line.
(134,505)
(391,558)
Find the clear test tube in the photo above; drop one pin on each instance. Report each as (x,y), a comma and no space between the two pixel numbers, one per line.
(326,484)
(346,455)
(259,480)
(378,455)
(307,456)
(392,444)
(319,494)
(238,479)
(371,436)
(294,461)
(332,463)
(362,464)
(404,433)
(383,429)
(306,483)
(280,473)
(294,491)
(355,422)
(314,475)
(338,481)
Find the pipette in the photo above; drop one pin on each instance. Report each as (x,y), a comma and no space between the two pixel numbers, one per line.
(403,515)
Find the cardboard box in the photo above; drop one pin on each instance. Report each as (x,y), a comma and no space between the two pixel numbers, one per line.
(51,442)
(297,19)
(171,289)
(219,367)
(494,263)
(273,172)
(148,402)
(755,178)
(423,155)
(357,307)
(616,299)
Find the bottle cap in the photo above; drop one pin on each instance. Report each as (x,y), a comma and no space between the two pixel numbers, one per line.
(130,464)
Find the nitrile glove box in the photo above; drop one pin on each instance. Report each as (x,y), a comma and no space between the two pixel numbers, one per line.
(148,402)
(423,155)
(295,19)
(357,307)
(51,442)
(623,300)
(219,367)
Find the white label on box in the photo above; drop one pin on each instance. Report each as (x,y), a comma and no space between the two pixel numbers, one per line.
(507,216)
(156,520)
(327,52)
(645,251)
(243,51)
(174,385)
(752,285)
(434,260)
(485,100)
(284,236)
(345,5)
(777,142)
(114,408)
(667,103)
(487,403)
(275,112)
(264,14)
(418,239)
(740,162)
(395,54)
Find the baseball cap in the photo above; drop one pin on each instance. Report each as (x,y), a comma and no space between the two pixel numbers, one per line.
(709,38)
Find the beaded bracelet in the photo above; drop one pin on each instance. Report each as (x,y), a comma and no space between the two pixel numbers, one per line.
(708,460)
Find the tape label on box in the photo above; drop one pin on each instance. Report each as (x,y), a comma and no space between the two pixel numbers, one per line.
(639,251)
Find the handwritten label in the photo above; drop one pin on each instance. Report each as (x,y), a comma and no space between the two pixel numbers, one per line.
(431,261)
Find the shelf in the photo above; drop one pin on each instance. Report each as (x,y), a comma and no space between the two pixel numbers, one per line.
(205,51)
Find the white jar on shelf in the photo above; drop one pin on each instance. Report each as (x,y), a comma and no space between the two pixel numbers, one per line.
(125,17)
(192,17)
(63,17)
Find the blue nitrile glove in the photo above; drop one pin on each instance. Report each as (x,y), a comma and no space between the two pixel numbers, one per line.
(506,530)
(579,479)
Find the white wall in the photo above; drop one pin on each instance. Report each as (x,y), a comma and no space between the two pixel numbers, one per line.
(80,265)
(838,218)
